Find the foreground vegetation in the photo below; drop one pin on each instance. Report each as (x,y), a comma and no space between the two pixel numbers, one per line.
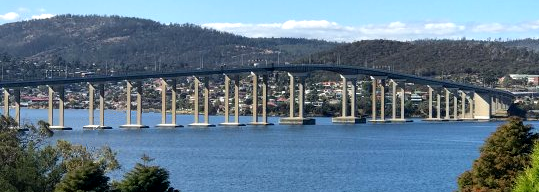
(504,155)
(28,164)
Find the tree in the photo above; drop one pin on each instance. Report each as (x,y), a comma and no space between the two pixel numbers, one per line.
(89,177)
(529,179)
(144,178)
(503,156)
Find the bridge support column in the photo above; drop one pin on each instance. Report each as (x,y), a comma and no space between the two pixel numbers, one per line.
(17,94)
(430,101)
(463,105)
(265,100)
(482,109)
(227,91)
(471,102)
(6,102)
(300,120)
(345,118)
(91,94)
(138,86)
(254,105)
(394,100)
(447,109)
(373,95)
(375,86)
(398,84)
(292,98)
(344,97)
(196,99)
(91,110)
(227,101)
(164,123)
(438,105)
(61,99)
(382,100)
(455,107)
(402,96)
(434,90)
(237,99)
(301,97)
(206,91)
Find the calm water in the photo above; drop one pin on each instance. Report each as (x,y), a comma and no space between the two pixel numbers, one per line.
(367,157)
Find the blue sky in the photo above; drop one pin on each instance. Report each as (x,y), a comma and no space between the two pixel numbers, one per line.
(337,20)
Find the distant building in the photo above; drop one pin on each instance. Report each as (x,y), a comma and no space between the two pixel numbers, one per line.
(534,79)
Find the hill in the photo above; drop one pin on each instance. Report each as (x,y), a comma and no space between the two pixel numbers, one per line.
(121,43)
(436,57)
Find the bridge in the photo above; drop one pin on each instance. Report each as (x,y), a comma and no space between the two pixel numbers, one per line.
(475,102)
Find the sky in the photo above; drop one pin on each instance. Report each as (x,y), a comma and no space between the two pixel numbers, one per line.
(332,20)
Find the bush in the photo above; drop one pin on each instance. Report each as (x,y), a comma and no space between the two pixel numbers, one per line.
(503,156)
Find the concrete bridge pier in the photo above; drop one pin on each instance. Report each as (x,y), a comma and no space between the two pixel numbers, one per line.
(455,107)
(438,106)
(139,124)
(468,96)
(352,118)
(206,91)
(398,83)
(91,111)
(236,102)
(164,123)
(17,94)
(6,102)
(448,93)
(375,86)
(61,99)
(264,121)
(482,106)
(300,119)
(431,91)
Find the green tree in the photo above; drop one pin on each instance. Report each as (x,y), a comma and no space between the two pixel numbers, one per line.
(144,178)
(529,180)
(89,177)
(29,166)
(503,156)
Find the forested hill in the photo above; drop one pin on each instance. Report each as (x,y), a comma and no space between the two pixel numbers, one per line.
(133,43)
(436,57)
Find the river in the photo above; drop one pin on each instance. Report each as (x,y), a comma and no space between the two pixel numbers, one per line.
(416,156)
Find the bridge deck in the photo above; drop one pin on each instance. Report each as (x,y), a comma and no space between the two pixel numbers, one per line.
(299,68)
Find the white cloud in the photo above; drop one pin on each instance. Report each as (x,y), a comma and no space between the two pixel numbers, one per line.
(531,25)
(322,29)
(490,28)
(312,24)
(42,16)
(23,10)
(9,16)
(41,10)
(332,31)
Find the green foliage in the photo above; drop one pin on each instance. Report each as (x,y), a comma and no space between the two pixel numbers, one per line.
(503,156)
(144,178)
(528,181)
(89,177)
(29,166)
(488,60)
